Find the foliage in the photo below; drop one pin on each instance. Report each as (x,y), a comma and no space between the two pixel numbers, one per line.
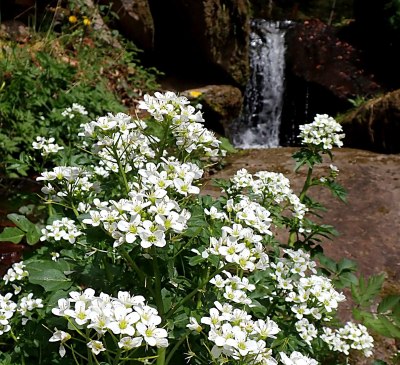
(65,63)
(136,266)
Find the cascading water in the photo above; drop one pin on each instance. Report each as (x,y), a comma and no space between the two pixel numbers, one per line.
(259,122)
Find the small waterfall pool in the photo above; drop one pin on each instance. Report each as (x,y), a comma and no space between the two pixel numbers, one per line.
(259,123)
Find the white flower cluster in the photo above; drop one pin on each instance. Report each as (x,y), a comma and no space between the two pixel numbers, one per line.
(250,213)
(16,272)
(351,336)
(46,145)
(240,245)
(64,229)
(126,317)
(74,110)
(311,295)
(234,287)
(270,188)
(9,308)
(186,122)
(67,181)
(150,213)
(324,131)
(237,336)
(119,142)
(296,358)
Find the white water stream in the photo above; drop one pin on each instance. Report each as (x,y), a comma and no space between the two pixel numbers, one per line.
(259,123)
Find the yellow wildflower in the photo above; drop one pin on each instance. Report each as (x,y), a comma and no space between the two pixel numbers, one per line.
(86,22)
(72,19)
(195,93)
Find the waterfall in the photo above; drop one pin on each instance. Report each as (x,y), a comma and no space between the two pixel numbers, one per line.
(259,123)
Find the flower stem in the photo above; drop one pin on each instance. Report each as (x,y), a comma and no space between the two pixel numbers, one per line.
(157,285)
(306,186)
(193,292)
(161,356)
(132,264)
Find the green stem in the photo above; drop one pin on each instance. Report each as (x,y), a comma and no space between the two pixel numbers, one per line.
(193,292)
(132,264)
(157,285)
(117,357)
(108,273)
(306,186)
(161,356)
(173,350)
(164,139)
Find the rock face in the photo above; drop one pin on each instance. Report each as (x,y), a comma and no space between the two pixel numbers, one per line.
(316,55)
(322,73)
(375,125)
(221,105)
(136,21)
(203,39)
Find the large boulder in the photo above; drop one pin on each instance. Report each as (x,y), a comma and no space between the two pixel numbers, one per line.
(221,105)
(375,125)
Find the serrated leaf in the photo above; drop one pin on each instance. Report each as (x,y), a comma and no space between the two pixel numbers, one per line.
(12,234)
(388,303)
(382,325)
(227,145)
(346,279)
(365,291)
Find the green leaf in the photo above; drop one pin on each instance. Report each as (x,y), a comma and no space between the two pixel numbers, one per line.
(49,274)
(33,235)
(346,279)
(195,260)
(12,234)
(388,303)
(347,265)
(365,291)
(51,280)
(226,145)
(196,223)
(20,221)
(381,324)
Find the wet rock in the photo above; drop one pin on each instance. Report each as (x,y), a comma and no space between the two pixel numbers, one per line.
(375,125)
(221,105)
(316,55)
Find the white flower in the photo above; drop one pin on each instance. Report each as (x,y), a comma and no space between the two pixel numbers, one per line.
(124,320)
(128,343)
(96,346)
(61,336)
(152,335)
(194,325)
(296,358)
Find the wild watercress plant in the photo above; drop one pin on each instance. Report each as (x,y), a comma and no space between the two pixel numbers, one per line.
(136,266)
